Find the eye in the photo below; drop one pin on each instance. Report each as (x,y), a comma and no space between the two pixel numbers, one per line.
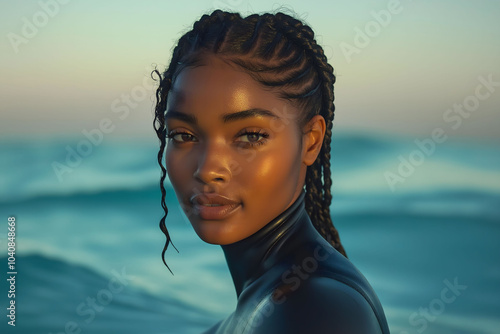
(250,138)
(253,138)
(181,137)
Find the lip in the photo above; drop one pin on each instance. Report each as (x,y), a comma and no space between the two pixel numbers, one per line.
(226,206)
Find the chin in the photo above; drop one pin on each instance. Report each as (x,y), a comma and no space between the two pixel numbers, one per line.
(209,239)
(215,236)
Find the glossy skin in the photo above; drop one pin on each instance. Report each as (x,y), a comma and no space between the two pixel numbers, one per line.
(217,156)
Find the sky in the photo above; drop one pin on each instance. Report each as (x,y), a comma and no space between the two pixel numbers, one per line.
(403,67)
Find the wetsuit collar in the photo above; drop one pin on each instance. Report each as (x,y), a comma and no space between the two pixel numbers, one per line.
(249,258)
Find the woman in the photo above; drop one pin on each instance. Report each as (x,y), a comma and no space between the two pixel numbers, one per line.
(247,107)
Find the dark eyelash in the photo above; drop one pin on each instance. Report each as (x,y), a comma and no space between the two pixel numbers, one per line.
(173,134)
(260,142)
(264,135)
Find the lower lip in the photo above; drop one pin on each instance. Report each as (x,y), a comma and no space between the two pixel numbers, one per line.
(215,212)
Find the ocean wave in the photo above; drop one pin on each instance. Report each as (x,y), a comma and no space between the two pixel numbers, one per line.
(52,292)
(361,164)
(435,203)
(40,168)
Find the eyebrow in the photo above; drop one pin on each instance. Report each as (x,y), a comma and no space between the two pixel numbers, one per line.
(226,118)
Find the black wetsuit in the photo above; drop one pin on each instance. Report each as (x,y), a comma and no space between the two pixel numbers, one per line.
(288,279)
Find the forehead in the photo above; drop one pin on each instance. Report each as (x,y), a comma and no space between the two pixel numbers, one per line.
(219,85)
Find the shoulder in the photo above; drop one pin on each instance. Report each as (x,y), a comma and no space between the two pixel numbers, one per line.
(319,305)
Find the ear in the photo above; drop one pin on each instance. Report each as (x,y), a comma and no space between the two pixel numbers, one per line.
(313,139)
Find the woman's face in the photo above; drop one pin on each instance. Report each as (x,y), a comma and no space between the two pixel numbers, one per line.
(229,136)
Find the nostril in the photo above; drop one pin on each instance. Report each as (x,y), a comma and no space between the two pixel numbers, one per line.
(207,175)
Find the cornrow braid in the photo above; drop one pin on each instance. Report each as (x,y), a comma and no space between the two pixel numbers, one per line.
(279,52)
(318,205)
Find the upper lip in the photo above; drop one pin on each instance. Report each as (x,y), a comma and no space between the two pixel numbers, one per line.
(211,198)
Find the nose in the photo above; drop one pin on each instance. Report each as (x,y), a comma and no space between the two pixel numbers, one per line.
(212,165)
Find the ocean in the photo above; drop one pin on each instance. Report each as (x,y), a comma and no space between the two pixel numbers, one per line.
(421,221)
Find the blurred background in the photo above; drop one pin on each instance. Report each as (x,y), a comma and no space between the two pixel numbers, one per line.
(415,163)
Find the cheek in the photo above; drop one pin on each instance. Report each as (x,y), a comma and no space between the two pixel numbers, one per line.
(176,172)
(270,168)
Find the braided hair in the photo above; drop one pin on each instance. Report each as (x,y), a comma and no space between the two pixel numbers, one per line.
(281,53)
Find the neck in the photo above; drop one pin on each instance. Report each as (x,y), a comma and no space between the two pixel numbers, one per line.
(249,258)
